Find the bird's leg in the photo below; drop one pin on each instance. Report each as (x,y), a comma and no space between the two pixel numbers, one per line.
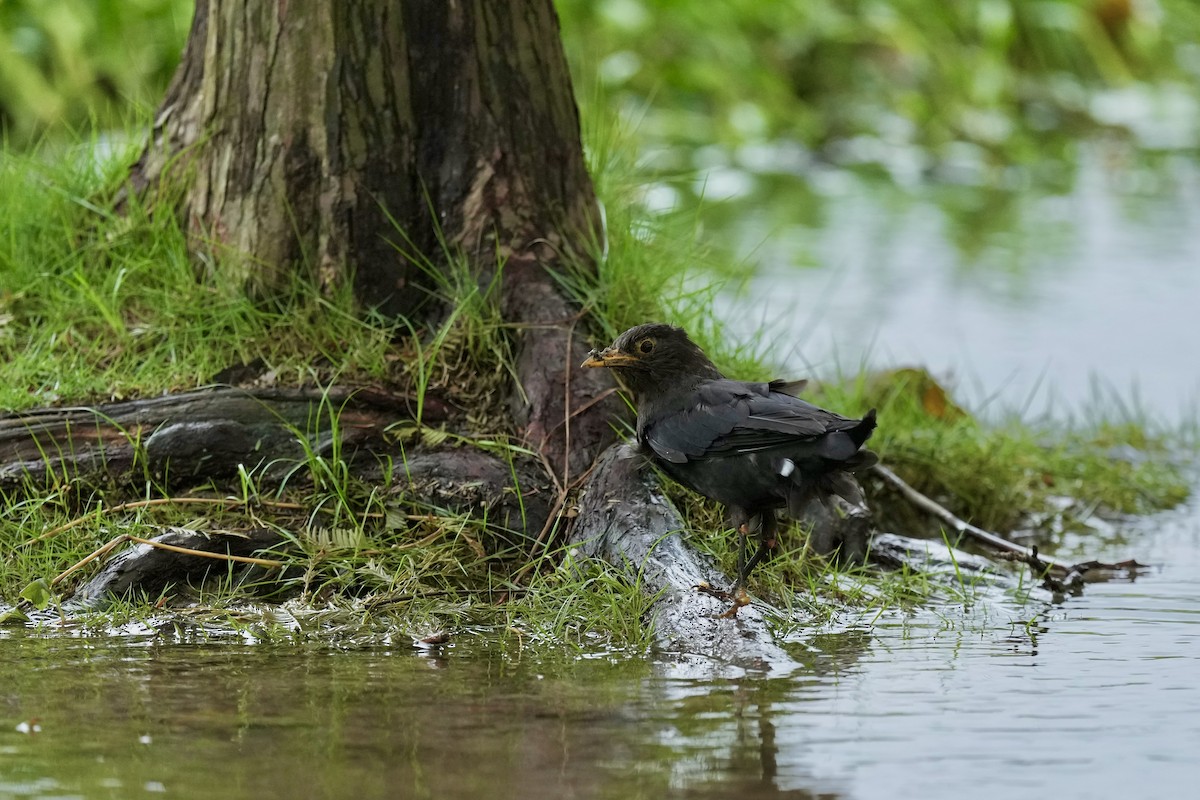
(766,543)
(743,534)
(737,593)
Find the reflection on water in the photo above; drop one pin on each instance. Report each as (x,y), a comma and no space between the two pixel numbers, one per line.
(1025,296)
(1093,698)
(126,719)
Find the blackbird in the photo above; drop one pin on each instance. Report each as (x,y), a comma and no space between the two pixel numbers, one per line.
(754,447)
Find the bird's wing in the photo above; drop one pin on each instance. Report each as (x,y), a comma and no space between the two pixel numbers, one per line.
(724,417)
(784,386)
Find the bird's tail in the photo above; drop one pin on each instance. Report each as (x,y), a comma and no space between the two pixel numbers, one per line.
(841,484)
(863,430)
(839,480)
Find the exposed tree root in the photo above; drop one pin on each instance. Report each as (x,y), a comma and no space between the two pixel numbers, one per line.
(622,517)
(193,436)
(179,557)
(625,520)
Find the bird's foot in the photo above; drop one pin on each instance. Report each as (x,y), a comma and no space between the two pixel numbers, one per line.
(707,588)
(738,596)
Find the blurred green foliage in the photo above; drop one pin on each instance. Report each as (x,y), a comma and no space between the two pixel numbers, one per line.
(997,81)
(66,62)
(852,79)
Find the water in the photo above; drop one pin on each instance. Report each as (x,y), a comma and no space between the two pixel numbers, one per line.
(1024,299)
(1092,698)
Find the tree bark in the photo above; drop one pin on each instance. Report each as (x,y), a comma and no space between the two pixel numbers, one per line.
(191,437)
(320,135)
(368,143)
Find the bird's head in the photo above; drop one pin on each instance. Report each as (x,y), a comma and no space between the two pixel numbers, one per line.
(655,358)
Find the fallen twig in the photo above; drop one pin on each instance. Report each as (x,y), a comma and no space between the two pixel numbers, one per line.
(187,551)
(110,545)
(1055,575)
(99,552)
(100,510)
(224,502)
(946,516)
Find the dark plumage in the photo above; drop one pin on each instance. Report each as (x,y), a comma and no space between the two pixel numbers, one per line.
(753,447)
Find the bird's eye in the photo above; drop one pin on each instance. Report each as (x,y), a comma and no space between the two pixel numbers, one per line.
(646,346)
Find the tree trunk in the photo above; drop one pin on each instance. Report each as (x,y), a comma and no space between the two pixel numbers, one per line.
(318,135)
(357,142)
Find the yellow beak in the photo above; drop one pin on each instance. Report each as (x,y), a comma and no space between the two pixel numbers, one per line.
(609,357)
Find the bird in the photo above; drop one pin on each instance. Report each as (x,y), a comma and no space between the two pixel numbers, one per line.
(753,447)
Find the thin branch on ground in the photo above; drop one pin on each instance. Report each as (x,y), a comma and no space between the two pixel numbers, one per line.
(1056,575)
(110,545)
(961,526)
(187,551)
(99,552)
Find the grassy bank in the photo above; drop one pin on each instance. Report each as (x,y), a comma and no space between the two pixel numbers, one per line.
(97,305)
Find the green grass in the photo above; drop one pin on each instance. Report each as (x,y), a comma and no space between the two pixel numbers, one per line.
(102,304)
(996,473)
